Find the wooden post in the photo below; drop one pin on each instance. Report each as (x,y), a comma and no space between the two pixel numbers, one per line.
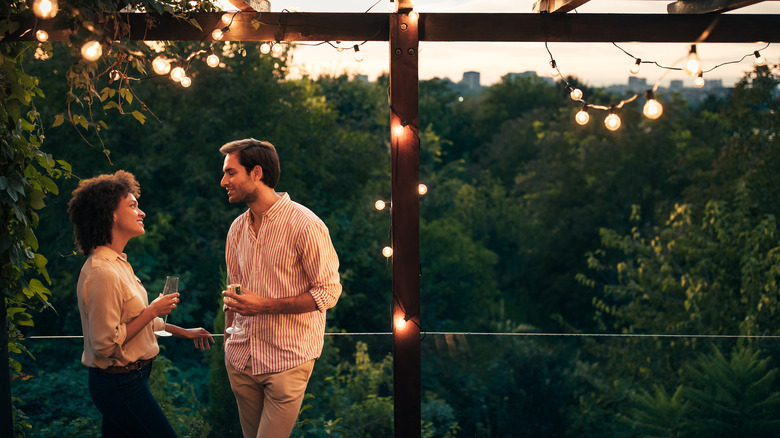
(405,156)
(5,379)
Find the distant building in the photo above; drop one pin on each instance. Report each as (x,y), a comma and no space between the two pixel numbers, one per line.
(526,74)
(470,80)
(637,84)
(676,85)
(361,78)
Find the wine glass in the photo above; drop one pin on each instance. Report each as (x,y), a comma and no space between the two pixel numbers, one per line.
(235,328)
(171,286)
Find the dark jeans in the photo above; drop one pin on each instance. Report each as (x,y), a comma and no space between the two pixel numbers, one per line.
(127,405)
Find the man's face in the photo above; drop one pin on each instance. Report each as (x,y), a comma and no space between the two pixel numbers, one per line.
(128,218)
(239,184)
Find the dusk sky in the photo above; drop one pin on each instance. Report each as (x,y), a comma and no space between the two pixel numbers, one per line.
(594,64)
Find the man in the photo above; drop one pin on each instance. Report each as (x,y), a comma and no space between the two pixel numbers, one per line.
(282,256)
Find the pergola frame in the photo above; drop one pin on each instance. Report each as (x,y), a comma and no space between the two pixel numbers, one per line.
(403,33)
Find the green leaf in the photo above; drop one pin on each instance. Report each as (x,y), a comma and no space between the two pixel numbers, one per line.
(58,120)
(139,116)
(30,239)
(36,199)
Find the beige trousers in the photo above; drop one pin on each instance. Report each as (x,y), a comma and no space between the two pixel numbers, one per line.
(268,404)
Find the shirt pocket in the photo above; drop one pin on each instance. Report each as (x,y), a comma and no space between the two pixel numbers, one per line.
(133,305)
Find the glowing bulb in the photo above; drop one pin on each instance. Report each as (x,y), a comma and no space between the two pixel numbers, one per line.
(115,75)
(265,48)
(612,122)
(91,51)
(45,8)
(635,68)
(398,130)
(400,322)
(387,252)
(217,34)
(413,15)
(692,65)
(392,6)
(177,74)
(212,60)
(582,117)
(652,109)
(760,60)
(186,81)
(41,35)
(277,49)
(380,205)
(554,72)
(161,65)
(699,81)
(358,55)
(576,94)
(422,189)
(227,18)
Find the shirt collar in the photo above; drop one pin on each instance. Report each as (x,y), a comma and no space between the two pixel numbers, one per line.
(109,254)
(278,206)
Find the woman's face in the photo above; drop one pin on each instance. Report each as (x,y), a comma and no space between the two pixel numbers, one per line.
(128,218)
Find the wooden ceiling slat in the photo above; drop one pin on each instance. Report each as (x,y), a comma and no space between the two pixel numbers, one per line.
(571,28)
(557,6)
(707,6)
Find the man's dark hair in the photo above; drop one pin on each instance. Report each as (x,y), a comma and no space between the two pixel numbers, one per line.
(92,206)
(253,153)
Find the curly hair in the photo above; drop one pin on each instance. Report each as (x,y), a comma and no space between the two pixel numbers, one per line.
(92,206)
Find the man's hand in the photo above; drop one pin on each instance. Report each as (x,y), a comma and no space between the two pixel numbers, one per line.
(248,304)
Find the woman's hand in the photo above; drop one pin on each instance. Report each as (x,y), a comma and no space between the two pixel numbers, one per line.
(164,304)
(200,337)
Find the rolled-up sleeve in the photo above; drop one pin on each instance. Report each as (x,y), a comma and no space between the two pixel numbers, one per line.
(321,265)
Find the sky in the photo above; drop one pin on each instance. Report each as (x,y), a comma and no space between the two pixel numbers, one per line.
(593,64)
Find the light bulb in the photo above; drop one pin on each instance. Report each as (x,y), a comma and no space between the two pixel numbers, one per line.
(161,65)
(277,49)
(45,8)
(227,18)
(358,55)
(422,189)
(380,205)
(177,74)
(387,251)
(699,81)
(392,6)
(760,60)
(413,15)
(91,51)
(186,81)
(398,130)
(212,60)
(554,72)
(612,122)
(217,34)
(652,109)
(692,65)
(635,68)
(400,322)
(42,35)
(265,48)
(582,117)
(576,94)
(115,75)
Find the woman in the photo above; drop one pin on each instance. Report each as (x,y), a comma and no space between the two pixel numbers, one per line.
(116,318)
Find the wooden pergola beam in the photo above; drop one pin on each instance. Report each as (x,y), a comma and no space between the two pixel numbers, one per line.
(707,6)
(557,6)
(312,26)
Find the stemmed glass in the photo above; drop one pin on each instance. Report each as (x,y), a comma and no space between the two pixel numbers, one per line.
(235,328)
(171,286)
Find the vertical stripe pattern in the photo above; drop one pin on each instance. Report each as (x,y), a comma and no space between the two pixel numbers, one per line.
(291,254)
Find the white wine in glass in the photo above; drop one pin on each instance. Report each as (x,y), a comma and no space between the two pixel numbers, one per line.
(171,286)
(235,328)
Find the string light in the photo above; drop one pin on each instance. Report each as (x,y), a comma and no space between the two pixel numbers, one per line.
(652,109)
(177,74)
(387,252)
(692,65)
(186,81)
(582,117)
(380,205)
(635,68)
(212,60)
(422,189)
(115,75)
(91,51)
(398,130)
(358,55)
(612,122)
(265,48)
(41,35)
(45,8)
(277,48)
(217,34)
(554,72)
(699,81)
(227,18)
(392,6)
(574,93)
(413,15)
(161,65)
(400,322)
(760,60)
